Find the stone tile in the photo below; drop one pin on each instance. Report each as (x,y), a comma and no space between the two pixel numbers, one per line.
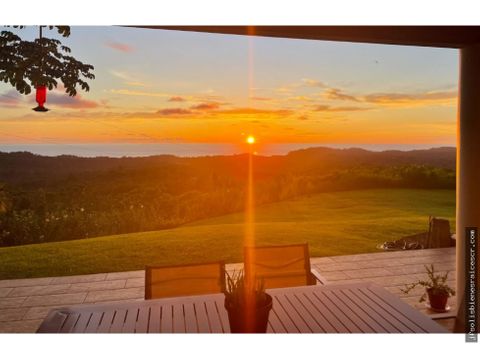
(5,291)
(79,279)
(40,312)
(25,282)
(12,302)
(63,299)
(22,326)
(367,273)
(98,285)
(121,294)
(12,314)
(427,260)
(137,282)
(418,270)
(321,260)
(344,281)
(386,263)
(40,290)
(334,275)
(350,258)
(445,266)
(365,257)
(108,302)
(340,266)
(398,255)
(407,269)
(391,280)
(125,275)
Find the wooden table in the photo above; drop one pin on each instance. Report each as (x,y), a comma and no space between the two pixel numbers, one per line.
(352,308)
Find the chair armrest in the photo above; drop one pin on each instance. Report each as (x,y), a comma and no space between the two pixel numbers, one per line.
(318,277)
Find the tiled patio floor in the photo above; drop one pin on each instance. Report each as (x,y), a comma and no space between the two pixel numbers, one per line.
(25,302)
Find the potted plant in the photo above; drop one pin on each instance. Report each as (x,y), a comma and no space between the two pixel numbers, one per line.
(247,304)
(436,289)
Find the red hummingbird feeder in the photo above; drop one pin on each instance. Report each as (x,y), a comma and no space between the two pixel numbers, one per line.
(41,98)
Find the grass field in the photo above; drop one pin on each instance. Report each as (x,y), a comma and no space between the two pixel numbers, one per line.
(332,223)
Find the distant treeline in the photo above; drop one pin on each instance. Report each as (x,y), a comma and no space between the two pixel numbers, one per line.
(44,199)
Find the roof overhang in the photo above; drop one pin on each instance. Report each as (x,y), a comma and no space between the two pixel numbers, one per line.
(434,36)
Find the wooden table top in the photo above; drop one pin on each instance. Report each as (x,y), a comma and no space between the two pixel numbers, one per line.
(350,308)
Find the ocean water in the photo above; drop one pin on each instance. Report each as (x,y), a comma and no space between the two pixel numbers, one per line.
(187,149)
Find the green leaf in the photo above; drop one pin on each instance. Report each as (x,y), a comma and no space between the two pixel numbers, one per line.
(25,64)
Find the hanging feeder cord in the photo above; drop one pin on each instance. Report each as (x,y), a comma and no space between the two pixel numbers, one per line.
(40,30)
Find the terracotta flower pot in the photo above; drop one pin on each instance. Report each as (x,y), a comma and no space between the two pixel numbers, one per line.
(239,323)
(438,300)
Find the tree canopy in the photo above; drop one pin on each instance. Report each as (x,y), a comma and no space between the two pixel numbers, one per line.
(44,61)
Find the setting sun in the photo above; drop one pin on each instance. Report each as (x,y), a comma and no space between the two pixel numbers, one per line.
(250,140)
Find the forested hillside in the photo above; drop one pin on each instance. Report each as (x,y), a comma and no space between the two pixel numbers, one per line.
(45,199)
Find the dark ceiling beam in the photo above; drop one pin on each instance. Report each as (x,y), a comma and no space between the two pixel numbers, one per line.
(434,36)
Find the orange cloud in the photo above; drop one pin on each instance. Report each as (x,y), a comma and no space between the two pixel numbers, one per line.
(260,98)
(174,112)
(138,93)
(254,111)
(177,99)
(203,110)
(10,99)
(337,94)
(425,98)
(72,102)
(120,46)
(313,83)
(206,106)
(328,108)
(135,83)
(304,83)
(127,78)
(300,98)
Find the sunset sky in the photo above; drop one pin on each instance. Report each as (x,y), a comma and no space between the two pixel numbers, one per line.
(156,86)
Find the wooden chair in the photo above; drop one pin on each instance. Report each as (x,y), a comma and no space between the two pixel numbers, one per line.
(184,280)
(281,266)
(438,233)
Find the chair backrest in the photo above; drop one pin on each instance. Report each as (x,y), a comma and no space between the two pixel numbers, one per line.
(184,280)
(439,233)
(278,266)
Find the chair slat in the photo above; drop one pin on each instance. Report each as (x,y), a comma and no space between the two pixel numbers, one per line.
(279,266)
(184,280)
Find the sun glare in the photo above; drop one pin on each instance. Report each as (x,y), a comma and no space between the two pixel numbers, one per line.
(250,140)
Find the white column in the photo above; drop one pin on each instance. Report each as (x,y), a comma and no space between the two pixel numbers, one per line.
(468,162)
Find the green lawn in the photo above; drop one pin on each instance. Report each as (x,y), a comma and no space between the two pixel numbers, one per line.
(332,223)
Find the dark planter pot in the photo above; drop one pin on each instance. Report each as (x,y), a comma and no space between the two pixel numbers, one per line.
(238,318)
(438,301)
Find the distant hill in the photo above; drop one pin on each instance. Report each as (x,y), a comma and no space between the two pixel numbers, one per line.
(20,167)
(322,157)
(45,199)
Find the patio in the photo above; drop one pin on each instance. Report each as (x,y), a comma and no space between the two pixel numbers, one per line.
(24,303)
